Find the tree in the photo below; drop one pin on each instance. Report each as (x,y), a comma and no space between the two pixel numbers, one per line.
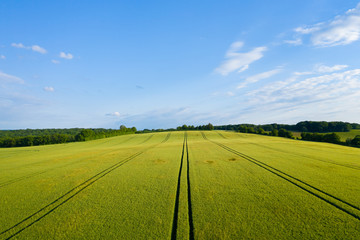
(331,138)
(356,141)
(209,127)
(274,132)
(260,131)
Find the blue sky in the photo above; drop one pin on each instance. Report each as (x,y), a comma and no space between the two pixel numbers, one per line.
(160,64)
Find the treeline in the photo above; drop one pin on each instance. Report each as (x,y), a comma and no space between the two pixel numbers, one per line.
(35,137)
(248,128)
(304,126)
(184,127)
(330,138)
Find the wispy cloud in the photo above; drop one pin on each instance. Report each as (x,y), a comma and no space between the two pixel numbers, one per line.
(328,96)
(35,48)
(2,57)
(49,89)
(308,29)
(327,69)
(320,68)
(18,45)
(341,30)
(114,114)
(295,42)
(10,78)
(236,61)
(258,77)
(55,61)
(38,49)
(292,90)
(66,55)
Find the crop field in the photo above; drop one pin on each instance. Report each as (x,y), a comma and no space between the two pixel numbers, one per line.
(181,185)
(351,134)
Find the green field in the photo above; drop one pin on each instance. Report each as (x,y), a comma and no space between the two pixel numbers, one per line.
(181,185)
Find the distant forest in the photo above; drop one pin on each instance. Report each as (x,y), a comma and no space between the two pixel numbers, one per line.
(35,137)
(305,126)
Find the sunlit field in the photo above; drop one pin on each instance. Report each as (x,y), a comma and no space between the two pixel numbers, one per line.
(181,185)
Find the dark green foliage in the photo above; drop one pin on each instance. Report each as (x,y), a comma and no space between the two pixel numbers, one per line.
(356,141)
(274,132)
(305,126)
(317,137)
(285,133)
(35,137)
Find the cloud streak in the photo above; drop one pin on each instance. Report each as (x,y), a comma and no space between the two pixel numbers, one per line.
(10,78)
(342,30)
(66,55)
(35,48)
(114,114)
(258,77)
(49,89)
(236,61)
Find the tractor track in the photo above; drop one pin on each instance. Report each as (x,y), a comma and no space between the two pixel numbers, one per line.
(304,156)
(51,207)
(174,230)
(15,180)
(336,202)
(64,147)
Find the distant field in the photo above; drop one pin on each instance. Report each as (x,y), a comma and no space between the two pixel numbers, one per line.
(351,134)
(194,185)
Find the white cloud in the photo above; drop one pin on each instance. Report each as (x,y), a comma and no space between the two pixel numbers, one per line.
(18,45)
(2,57)
(114,114)
(302,73)
(294,91)
(10,79)
(239,61)
(55,61)
(66,55)
(230,94)
(49,89)
(259,77)
(341,30)
(35,48)
(38,49)
(295,42)
(327,69)
(308,30)
(320,68)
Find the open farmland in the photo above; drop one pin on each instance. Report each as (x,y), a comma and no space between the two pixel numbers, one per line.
(181,185)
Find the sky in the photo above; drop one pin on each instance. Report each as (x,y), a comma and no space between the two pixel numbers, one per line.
(161,64)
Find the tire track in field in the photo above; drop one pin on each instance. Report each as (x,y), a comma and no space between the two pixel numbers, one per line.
(15,180)
(67,146)
(336,202)
(177,199)
(312,158)
(220,134)
(51,207)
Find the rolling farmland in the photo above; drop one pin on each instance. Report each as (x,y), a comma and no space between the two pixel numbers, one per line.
(181,185)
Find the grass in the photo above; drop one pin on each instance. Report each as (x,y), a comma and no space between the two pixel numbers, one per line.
(242,186)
